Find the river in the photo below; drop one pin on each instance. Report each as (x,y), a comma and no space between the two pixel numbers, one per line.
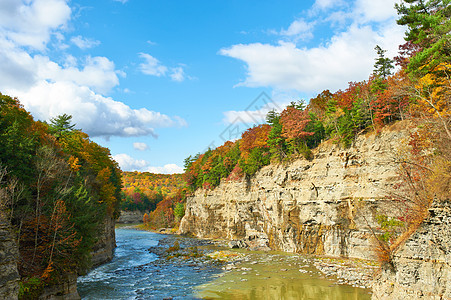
(136,273)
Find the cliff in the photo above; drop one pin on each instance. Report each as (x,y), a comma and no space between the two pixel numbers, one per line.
(103,250)
(9,254)
(129,217)
(422,263)
(317,207)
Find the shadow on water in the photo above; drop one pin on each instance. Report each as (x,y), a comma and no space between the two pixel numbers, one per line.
(135,273)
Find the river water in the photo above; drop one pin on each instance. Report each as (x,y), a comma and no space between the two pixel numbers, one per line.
(136,273)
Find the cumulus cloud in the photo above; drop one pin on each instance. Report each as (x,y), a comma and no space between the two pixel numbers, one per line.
(76,86)
(31,23)
(128,163)
(94,113)
(140,146)
(166,169)
(347,56)
(84,43)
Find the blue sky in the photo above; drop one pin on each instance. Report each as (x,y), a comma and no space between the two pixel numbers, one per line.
(156,81)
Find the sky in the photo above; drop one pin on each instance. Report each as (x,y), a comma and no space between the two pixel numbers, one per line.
(157,81)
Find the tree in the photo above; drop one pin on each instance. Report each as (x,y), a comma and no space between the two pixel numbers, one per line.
(428,26)
(383,66)
(61,125)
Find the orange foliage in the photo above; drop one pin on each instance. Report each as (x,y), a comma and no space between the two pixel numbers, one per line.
(255,137)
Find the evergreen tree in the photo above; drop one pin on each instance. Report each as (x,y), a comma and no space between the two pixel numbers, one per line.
(383,66)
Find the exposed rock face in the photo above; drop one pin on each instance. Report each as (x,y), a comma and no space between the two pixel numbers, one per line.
(104,249)
(9,253)
(316,207)
(128,217)
(422,263)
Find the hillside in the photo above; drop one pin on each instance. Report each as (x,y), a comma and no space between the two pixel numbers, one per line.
(59,196)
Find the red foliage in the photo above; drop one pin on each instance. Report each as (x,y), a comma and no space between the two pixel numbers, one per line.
(236,174)
(293,123)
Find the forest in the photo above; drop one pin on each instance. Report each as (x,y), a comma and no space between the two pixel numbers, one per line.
(56,189)
(161,196)
(143,190)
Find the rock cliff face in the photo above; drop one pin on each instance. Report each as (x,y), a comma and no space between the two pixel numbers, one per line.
(422,263)
(128,217)
(104,249)
(318,207)
(9,254)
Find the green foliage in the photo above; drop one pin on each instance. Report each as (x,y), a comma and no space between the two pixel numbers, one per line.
(61,125)
(390,227)
(30,288)
(428,26)
(179,211)
(257,158)
(383,66)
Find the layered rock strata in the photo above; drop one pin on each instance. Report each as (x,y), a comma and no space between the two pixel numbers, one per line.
(103,250)
(322,206)
(421,264)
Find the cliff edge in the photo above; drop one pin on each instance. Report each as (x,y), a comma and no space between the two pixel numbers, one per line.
(322,206)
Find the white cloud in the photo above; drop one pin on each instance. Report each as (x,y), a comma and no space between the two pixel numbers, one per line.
(84,43)
(347,56)
(177,74)
(166,169)
(31,23)
(77,86)
(94,113)
(326,4)
(375,11)
(128,163)
(121,1)
(152,66)
(140,146)
(299,29)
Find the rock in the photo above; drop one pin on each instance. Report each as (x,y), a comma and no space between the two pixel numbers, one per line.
(311,207)
(237,244)
(129,217)
(9,254)
(422,263)
(106,242)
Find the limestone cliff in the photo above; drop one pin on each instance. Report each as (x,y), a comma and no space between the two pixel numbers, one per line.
(9,254)
(319,207)
(422,263)
(129,217)
(103,250)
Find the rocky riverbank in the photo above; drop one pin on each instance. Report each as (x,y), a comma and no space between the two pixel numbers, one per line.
(241,265)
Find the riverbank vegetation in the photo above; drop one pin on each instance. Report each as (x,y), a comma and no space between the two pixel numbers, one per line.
(56,189)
